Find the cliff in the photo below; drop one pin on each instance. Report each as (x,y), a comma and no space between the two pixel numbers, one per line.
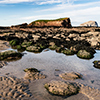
(61,22)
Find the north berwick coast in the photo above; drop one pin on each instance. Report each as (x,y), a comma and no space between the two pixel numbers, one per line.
(50,60)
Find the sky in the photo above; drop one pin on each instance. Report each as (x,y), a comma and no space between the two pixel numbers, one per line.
(14,12)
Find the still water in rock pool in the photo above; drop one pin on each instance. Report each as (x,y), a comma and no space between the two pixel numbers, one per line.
(52,64)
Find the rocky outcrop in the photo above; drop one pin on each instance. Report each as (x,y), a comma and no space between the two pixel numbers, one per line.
(33,74)
(90,23)
(84,54)
(37,39)
(62,22)
(62,88)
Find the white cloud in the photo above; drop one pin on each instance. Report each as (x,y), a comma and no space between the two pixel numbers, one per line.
(15,1)
(40,2)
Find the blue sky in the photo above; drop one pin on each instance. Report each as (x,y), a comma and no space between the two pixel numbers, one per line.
(13,12)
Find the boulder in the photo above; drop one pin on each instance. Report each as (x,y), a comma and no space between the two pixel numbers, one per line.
(10,55)
(26,44)
(90,23)
(68,52)
(33,74)
(33,49)
(97,64)
(77,47)
(62,88)
(62,22)
(84,54)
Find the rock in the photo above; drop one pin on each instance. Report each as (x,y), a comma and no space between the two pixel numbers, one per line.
(53,47)
(61,88)
(33,74)
(96,64)
(78,47)
(24,25)
(26,44)
(33,49)
(68,52)
(31,70)
(14,42)
(59,49)
(62,22)
(10,55)
(51,43)
(70,76)
(36,37)
(84,54)
(90,23)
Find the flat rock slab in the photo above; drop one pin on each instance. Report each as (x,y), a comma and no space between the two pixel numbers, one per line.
(12,88)
(33,74)
(70,76)
(62,88)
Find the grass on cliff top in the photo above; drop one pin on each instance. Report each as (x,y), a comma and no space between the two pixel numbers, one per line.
(60,19)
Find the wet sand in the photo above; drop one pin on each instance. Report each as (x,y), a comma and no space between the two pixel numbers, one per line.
(47,62)
(4,45)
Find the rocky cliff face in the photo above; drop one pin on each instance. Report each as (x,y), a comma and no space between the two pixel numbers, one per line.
(90,23)
(62,22)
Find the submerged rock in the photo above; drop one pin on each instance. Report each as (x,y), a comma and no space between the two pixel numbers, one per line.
(10,55)
(84,54)
(70,76)
(33,74)
(97,64)
(62,88)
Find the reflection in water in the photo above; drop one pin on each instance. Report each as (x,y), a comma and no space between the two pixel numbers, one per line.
(52,64)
